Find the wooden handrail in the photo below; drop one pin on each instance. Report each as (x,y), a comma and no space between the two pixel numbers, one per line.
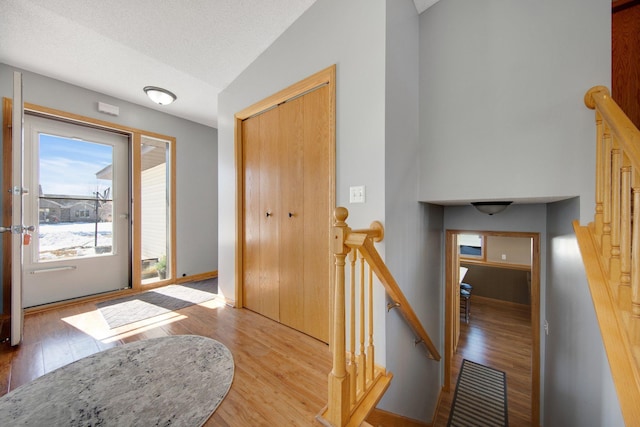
(395,293)
(356,383)
(375,231)
(610,245)
(598,98)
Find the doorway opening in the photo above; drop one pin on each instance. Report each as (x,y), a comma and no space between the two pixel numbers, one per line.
(489,262)
(129,178)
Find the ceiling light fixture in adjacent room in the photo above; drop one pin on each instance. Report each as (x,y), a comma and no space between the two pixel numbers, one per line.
(159,95)
(491,208)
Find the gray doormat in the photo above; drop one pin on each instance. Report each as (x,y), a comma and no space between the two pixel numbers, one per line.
(122,311)
(480,398)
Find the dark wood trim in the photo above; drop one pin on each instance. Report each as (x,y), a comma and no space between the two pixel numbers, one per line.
(620,5)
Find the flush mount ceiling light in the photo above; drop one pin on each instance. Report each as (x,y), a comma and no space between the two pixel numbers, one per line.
(159,95)
(491,208)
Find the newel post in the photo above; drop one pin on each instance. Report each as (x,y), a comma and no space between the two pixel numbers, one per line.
(338,405)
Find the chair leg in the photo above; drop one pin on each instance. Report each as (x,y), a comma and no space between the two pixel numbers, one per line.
(466,300)
(467,309)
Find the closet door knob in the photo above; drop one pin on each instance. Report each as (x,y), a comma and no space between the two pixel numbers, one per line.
(290,214)
(269,214)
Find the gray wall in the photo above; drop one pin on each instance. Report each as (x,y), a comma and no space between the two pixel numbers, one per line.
(196,159)
(501,88)
(352,36)
(579,389)
(413,231)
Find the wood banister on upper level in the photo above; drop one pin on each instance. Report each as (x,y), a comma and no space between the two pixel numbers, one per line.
(598,98)
(610,246)
(356,383)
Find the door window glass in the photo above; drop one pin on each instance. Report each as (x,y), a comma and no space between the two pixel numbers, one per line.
(75,204)
(155,203)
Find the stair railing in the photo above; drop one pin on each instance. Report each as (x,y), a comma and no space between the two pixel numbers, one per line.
(610,245)
(356,383)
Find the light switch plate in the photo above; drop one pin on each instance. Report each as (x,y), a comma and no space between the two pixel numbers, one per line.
(356,194)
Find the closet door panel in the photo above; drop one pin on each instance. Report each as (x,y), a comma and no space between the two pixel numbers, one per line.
(270,214)
(252,217)
(291,198)
(317,217)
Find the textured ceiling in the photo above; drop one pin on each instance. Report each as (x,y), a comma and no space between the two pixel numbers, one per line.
(193,48)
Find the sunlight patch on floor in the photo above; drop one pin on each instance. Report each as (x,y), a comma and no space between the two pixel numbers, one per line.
(134,330)
(214,303)
(93,324)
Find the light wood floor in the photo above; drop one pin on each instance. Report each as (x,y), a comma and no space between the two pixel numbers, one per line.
(498,336)
(280,374)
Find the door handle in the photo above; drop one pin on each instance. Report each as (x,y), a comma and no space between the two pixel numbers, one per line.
(291,214)
(18,191)
(269,214)
(17,229)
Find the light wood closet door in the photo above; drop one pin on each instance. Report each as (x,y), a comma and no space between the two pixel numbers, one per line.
(318,213)
(262,228)
(292,206)
(287,264)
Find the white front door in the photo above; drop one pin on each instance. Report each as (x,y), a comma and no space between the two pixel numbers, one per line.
(80,203)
